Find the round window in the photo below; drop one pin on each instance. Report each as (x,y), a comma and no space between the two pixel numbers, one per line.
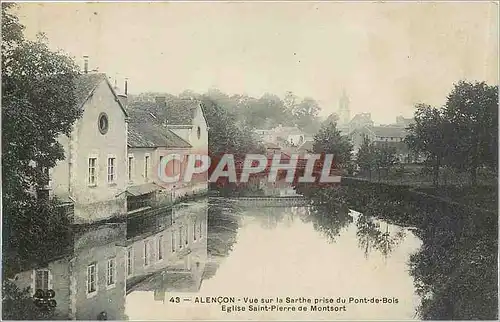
(103,123)
(199,132)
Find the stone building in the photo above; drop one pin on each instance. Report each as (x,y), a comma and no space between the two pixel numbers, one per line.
(94,170)
(148,144)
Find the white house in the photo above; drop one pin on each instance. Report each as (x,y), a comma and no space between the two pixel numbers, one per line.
(148,144)
(185,117)
(94,170)
(283,135)
(178,120)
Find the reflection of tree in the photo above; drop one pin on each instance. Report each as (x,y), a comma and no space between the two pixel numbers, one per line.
(370,235)
(456,269)
(270,217)
(329,220)
(222,228)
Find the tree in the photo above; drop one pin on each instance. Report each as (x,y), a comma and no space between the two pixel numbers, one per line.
(366,157)
(290,101)
(384,158)
(472,112)
(38,105)
(329,140)
(428,135)
(18,304)
(332,118)
(224,135)
(305,114)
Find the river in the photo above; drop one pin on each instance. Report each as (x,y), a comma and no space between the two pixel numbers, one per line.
(280,252)
(156,267)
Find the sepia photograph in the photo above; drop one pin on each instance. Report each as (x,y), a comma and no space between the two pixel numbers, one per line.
(250,160)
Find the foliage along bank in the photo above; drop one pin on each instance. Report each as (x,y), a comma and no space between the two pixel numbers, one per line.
(455,270)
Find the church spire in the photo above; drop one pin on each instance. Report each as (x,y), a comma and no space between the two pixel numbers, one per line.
(344,112)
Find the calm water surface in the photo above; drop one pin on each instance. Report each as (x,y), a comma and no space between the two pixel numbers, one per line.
(256,251)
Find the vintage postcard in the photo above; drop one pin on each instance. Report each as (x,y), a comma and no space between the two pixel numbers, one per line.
(267,160)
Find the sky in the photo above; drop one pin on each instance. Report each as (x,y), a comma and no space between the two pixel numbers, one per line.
(386,56)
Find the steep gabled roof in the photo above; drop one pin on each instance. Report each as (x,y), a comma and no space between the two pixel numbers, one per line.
(86,84)
(144,133)
(174,111)
(181,111)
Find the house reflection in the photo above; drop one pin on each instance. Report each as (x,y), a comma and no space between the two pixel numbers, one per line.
(171,257)
(90,280)
(161,252)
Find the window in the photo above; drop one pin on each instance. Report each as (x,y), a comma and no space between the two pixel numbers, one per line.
(161,159)
(146,253)
(111,170)
(92,171)
(195,232)
(173,242)
(111,272)
(198,132)
(186,235)
(130,162)
(200,224)
(92,278)
(103,123)
(146,166)
(42,279)
(160,247)
(130,261)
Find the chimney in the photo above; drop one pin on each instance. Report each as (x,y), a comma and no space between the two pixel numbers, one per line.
(126,86)
(86,64)
(161,101)
(122,97)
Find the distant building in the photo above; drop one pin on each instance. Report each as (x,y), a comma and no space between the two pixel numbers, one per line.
(284,136)
(344,112)
(265,135)
(404,122)
(382,135)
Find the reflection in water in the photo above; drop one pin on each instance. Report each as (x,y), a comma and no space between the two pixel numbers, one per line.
(228,249)
(267,252)
(370,235)
(89,281)
(156,253)
(329,221)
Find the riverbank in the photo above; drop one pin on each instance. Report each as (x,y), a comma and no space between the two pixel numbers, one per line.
(455,271)
(453,187)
